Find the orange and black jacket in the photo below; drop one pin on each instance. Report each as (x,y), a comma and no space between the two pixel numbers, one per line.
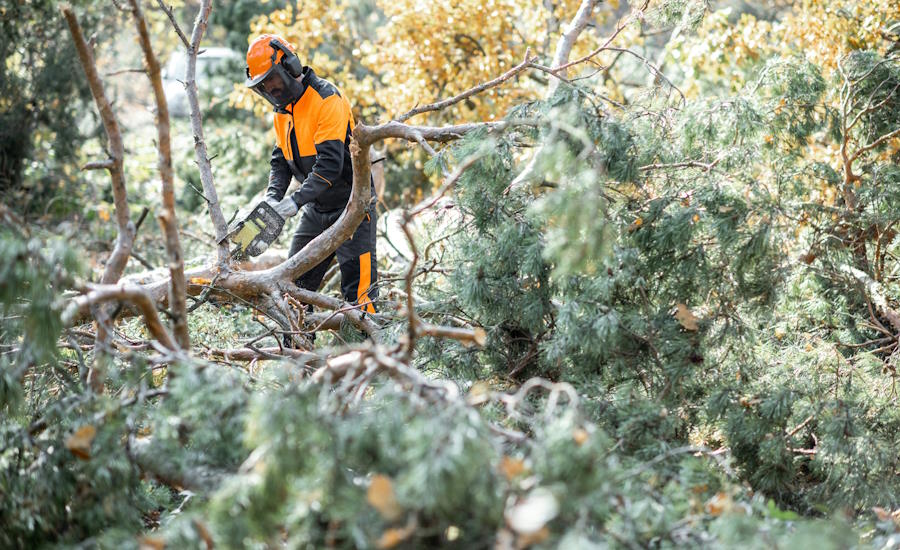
(312,143)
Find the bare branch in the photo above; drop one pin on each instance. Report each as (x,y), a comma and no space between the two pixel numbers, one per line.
(203,161)
(567,41)
(869,146)
(561,65)
(451,181)
(122,292)
(171,16)
(438,105)
(115,266)
(258,354)
(117,261)
(107,164)
(167,218)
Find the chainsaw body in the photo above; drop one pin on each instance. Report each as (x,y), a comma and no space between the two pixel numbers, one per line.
(253,235)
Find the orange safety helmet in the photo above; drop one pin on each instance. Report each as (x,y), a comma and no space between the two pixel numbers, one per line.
(272,71)
(262,53)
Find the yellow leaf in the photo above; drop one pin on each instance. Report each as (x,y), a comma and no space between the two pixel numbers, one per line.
(580,436)
(511,467)
(199,281)
(151,543)
(480,336)
(479,393)
(395,535)
(381,496)
(529,539)
(80,441)
(719,503)
(687,319)
(452,533)
(103,214)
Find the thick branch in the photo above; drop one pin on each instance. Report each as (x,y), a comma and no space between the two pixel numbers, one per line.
(258,354)
(115,264)
(167,218)
(567,41)
(123,292)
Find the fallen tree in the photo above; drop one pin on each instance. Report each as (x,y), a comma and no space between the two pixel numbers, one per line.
(270,287)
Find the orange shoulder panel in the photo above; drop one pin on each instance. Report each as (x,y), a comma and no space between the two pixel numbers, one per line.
(334,116)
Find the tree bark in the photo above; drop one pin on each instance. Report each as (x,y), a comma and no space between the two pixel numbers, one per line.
(206,176)
(167,218)
(115,264)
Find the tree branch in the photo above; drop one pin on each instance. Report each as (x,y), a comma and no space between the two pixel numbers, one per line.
(123,292)
(168,11)
(115,264)
(438,105)
(167,218)
(206,175)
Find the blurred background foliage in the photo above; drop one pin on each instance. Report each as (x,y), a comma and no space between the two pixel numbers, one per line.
(700,262)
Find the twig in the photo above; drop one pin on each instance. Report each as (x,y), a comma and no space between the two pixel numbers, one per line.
(438,105)
(171,16)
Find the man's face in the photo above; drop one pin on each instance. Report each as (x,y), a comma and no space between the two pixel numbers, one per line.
(273,85)
(278,88)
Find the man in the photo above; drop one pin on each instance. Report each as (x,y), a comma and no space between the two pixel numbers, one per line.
(313,123)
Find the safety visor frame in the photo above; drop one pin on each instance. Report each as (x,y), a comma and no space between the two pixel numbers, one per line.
(275,86)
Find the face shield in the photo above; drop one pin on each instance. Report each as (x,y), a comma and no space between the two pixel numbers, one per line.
(276,86)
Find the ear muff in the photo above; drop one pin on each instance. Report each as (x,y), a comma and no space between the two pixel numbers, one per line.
(289,59)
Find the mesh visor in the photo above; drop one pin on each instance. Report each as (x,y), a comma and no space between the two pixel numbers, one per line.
(276,86)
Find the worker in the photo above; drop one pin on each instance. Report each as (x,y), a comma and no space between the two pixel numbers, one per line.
(313,123)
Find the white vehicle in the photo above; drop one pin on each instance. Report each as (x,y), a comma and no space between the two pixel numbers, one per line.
(217,71)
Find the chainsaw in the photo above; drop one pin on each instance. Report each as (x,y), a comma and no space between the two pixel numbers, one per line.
(253,235)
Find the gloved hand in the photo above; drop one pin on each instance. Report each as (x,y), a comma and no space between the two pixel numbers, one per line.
(286,208)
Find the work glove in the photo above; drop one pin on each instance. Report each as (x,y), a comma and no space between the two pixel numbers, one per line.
(286,208)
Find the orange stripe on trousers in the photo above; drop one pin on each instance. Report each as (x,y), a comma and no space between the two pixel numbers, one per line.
(365,280)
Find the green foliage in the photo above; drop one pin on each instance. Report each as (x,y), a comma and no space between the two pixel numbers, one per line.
(44,95)
(705,289)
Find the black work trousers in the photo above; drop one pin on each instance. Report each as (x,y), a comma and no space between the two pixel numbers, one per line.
(356,256)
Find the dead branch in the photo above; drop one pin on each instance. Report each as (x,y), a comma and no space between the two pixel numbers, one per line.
(122,292)
(469,337)
(873,289)
(250,353)
(412,318)
(168,11)
(167,218)
(115,264)
(562,65)
(438,105)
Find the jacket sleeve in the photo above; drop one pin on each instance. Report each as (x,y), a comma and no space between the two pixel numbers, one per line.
(279,175)
(331,131)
